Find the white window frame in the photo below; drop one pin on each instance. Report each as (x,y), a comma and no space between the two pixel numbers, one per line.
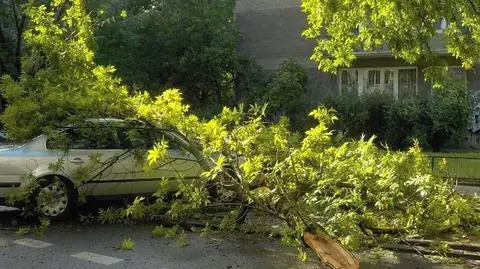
(443,25)
(363,73)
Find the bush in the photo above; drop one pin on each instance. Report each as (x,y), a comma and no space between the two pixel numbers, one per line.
(361,116)
(402,123)
(449,110)
(437,122)
(283,90)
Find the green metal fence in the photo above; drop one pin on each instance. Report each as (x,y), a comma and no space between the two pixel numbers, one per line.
(464,169)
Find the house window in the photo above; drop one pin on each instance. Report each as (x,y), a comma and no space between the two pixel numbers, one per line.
(407,83)
(349,81)
(398,82)
(374,84)
(457,72)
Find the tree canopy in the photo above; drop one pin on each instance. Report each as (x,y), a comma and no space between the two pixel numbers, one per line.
(406,27)
(12,25)
(187,44)
(60,81)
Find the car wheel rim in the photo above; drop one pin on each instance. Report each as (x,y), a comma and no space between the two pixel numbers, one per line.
(52,200)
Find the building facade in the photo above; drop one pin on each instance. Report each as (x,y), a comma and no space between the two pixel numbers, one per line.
(272,32)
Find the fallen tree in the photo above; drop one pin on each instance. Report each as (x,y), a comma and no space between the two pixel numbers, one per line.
(321,188)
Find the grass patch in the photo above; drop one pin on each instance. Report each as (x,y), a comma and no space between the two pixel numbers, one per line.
(127,244)
(160,231)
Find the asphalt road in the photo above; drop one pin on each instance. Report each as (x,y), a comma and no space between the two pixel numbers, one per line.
(65,246)
(94,246)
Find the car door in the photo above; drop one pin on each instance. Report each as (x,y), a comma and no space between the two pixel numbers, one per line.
(98,159)
(179,164)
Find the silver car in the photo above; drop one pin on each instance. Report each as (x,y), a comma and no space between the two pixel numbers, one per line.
(3,138)
(102,160)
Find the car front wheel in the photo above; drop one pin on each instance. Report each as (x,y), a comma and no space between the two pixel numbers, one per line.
(56,198)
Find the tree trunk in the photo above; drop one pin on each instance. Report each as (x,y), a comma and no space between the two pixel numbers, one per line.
(19,27)
(331,252)
(18,47)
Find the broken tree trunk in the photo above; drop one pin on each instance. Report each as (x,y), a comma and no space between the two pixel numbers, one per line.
(331,252)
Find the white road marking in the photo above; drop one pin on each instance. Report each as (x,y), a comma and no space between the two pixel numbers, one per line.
(96,258)
(32,243)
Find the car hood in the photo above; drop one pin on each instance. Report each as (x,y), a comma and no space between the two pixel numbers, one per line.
(9,147)
(25,152)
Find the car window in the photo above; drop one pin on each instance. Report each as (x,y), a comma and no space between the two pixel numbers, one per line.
(133,138)
(86,137)
(159,135)
(58,140)
(144,138)
(94,137)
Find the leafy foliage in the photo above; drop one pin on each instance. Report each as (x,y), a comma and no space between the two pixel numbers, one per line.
(127,244)
(60,82)
(310,182)
(405,27)
(164,43)
(364,115)
(449,110)
(347,190)
(436,122)
(285,93)
(12,26)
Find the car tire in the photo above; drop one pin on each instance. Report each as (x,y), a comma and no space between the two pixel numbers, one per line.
(56,198)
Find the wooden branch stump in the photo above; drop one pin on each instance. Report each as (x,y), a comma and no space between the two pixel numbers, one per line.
(331,252)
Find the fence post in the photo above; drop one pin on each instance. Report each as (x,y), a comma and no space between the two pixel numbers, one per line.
(432,164)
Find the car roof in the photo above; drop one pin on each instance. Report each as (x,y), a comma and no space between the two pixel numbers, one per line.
(105,121)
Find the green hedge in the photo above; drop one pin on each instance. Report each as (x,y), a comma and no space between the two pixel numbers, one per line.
(435,122)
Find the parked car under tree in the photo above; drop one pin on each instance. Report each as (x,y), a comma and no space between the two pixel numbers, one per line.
(97,159)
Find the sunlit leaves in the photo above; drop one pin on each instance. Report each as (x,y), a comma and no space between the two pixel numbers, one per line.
(406,28)
(309,180)
(157,153)
(60,83)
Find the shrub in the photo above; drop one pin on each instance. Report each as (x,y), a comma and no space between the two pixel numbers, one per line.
(402,120)
(283,90)
(437,122)
(449,110)
(361,115)
(285,94)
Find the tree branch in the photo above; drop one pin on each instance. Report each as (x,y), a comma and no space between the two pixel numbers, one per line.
(473,7)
